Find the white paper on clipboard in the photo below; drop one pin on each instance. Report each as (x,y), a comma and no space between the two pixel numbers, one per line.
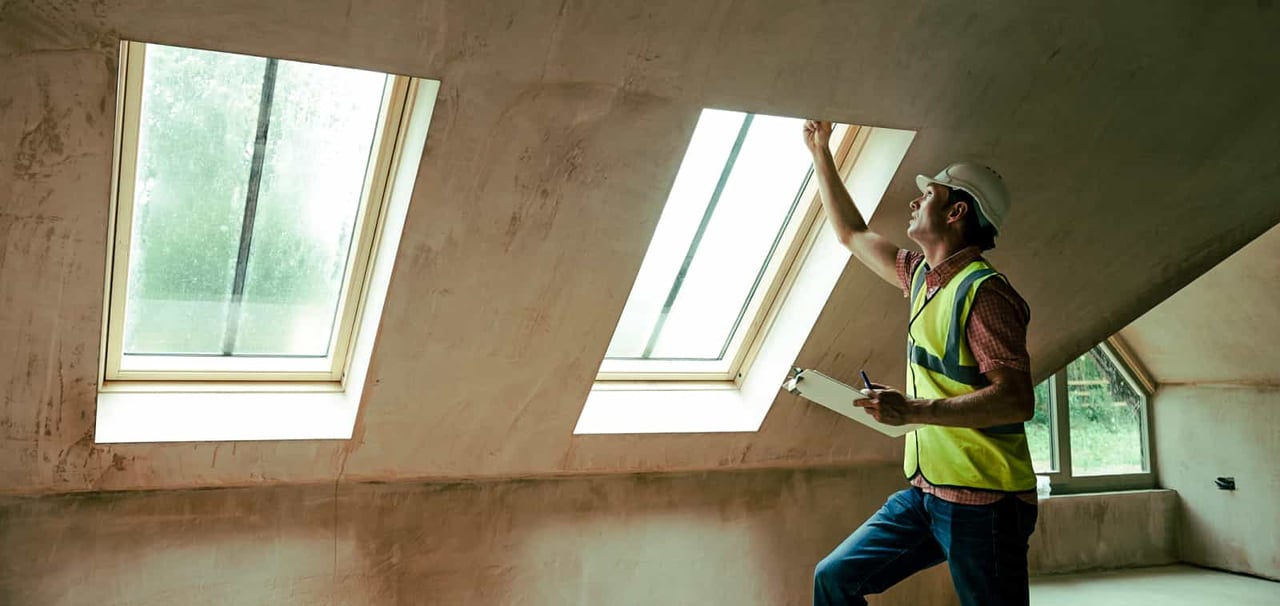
(837,396)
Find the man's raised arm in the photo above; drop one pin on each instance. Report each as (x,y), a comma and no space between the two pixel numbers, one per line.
(872,249)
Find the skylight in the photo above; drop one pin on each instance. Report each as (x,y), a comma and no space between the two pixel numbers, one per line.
(257,207)
(247,194)
(731,224)
(739,268)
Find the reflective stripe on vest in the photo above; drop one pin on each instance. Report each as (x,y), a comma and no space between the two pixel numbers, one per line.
(940,365)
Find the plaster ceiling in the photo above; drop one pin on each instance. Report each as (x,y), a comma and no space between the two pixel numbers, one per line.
(1139,140)
(1222,328)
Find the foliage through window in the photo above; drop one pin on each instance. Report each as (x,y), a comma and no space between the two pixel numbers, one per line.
(247,192)
(1090,425)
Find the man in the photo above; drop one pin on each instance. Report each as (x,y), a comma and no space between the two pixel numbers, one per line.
(971,500)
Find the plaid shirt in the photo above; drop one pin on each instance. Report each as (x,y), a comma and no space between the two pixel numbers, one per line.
(997,336)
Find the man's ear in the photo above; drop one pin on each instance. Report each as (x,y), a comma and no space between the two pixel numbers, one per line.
(958,211)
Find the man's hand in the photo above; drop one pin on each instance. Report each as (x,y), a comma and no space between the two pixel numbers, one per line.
(887,405)
(1008,399)
(817,135)
(875,251)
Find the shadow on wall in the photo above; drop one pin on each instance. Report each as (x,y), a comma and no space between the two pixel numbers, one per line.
(721,538)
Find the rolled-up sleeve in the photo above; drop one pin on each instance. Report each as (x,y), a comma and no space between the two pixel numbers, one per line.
(997,329)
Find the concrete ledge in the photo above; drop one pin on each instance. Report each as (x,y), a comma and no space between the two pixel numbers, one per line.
(1104,530)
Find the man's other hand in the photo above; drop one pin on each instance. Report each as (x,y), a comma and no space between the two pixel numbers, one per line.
(886,405)
(817,135)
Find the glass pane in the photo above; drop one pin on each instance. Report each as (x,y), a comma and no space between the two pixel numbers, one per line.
(709,288)
(1106,419)
(713,139)
(195,143)
(322,128)
(1040,429)
(200,113)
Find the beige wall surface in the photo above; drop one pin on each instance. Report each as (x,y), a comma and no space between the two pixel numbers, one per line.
(739,538)
(1215,348)
(1133,135)
(1206,432)
(749,538)
(1104,531)
(1222,328)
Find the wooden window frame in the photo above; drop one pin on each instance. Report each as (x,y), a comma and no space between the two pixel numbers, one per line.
(799,235)
(398,96)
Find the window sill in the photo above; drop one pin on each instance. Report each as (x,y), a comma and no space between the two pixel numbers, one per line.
(1118,493)
(692,408)
(213,416)
(712,407)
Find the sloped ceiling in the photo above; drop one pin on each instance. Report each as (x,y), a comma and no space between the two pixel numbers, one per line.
(1222,328)
(1140,141)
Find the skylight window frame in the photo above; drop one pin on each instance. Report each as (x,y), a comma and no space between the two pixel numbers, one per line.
(330,369)
(780,271)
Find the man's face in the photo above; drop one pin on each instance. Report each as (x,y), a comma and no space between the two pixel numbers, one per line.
(929,214)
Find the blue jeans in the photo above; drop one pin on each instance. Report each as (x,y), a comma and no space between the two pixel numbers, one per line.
(985,546)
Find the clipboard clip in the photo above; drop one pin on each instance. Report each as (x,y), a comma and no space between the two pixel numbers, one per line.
(792,383)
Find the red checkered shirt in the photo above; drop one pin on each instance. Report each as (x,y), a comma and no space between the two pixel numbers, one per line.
(997,336)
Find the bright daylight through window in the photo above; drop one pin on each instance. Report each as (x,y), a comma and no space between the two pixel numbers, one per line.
(247,197)
(1090,427)
(731,225)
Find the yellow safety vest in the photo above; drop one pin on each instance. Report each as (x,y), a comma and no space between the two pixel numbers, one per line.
(940,365)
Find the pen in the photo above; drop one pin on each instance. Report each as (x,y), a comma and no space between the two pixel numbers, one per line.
(865,380)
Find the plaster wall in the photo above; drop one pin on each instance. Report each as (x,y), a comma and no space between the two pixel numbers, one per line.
(709,538)
(1222,328)
(1131,135)
(1103,531)
(717,538)
(1203,432)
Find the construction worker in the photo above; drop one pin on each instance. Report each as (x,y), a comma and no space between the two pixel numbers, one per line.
(972,499)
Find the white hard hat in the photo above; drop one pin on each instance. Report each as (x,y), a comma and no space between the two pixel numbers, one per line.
(984,184)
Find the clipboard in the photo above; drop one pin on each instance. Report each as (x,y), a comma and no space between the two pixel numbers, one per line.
(830,393)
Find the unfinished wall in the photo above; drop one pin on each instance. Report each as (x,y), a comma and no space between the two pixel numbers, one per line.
(725,538)
(741,538)
(1222,328)
(560,125)
(1104,531)
(1215,349)
(1203,432)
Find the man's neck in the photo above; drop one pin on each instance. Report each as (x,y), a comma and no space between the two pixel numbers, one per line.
(936,253)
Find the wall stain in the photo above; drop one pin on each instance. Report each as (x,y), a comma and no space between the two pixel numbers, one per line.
(41,141)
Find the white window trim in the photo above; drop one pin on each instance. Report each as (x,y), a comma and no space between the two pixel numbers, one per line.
(1063,479)
(759,308)
(660,405)
(238,368)
(210,412)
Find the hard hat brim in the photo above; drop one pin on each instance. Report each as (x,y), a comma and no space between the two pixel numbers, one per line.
(923,183)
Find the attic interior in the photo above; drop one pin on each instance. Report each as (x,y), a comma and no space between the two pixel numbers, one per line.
(475,454)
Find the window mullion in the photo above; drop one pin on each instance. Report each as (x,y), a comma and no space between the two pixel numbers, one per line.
(1062,424)
(697,236)
(250,205)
